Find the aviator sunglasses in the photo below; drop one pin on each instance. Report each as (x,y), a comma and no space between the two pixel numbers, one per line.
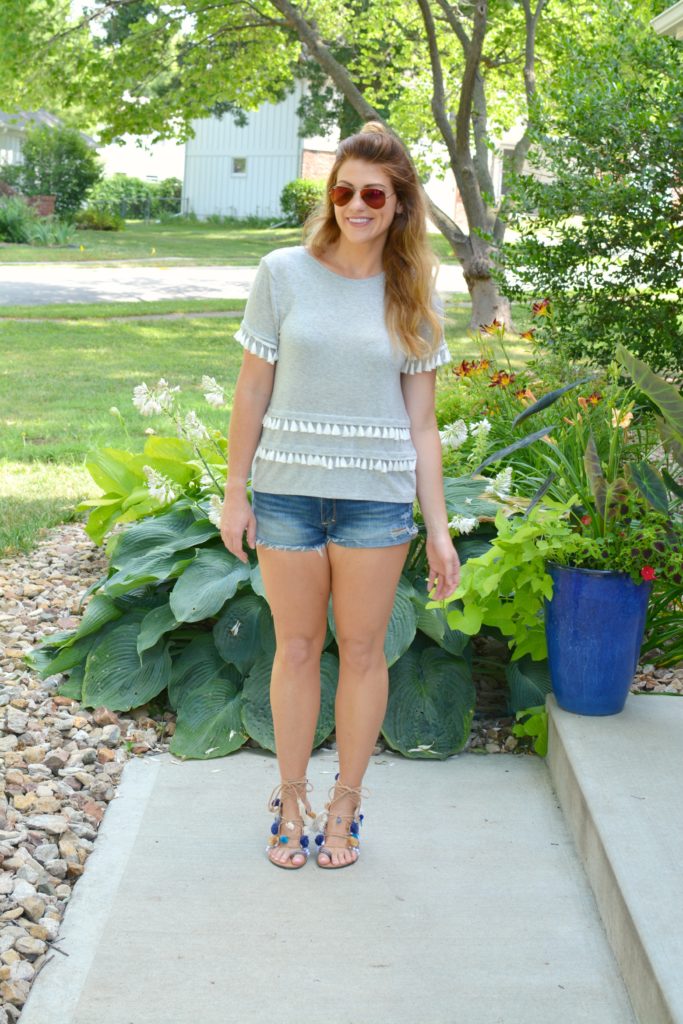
(373,197)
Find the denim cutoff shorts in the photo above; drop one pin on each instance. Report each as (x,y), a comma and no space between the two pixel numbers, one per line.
(297,522)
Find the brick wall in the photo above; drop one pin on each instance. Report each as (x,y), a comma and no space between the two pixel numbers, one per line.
(316,163)
(43,205)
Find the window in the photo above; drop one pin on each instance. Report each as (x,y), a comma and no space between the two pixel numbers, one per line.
(239,165)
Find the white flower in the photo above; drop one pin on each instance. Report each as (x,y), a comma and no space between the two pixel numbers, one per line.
(501,483)
(453,434)
(463,524)
(159,486)
(159,399)
(213,392)
(215,509)
(192,428)
(481,428)
(234,630)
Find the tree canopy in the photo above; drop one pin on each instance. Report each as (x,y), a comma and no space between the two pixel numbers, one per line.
(449,77)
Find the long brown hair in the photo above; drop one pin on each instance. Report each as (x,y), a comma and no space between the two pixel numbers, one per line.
(409,263)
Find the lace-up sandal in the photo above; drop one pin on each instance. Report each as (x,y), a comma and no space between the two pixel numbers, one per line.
(283,831)
(341,826)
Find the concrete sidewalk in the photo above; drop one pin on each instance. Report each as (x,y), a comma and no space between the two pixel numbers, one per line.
(31,284)
(469,905)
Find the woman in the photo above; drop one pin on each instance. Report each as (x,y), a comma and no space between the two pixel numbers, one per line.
(334,405)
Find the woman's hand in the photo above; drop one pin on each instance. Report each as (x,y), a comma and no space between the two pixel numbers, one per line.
(236,517)
(444,566)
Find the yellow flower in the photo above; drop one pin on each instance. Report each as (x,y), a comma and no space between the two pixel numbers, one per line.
(621,421)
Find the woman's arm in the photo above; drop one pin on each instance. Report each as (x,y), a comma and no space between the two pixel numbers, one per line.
(252,395)
(444,564)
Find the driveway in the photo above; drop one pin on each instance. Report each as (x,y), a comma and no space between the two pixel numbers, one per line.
(41,284)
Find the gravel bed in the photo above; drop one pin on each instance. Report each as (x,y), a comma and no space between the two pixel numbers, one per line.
(62,763)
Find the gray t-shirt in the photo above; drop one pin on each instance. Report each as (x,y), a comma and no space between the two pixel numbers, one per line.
(336,425)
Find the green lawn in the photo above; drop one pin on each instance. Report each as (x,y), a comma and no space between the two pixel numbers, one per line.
(61,377)
(181,241)
(184,242)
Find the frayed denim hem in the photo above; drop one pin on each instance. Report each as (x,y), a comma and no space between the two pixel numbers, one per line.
(290,547)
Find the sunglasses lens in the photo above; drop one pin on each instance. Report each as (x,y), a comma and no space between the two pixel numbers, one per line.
(373,197)
(341,195)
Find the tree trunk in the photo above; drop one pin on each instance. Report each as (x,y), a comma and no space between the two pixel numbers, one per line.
(488,303)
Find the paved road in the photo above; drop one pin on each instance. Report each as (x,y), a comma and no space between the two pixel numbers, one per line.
(42,284)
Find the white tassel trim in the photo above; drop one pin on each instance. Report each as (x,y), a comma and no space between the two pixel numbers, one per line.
(336,429)
(335,461)
(440,357)
(255,346)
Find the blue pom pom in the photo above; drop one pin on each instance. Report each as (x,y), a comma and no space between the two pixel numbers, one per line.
(304,841)
(274,828)
(284,839)
(354,828)
(361,816)
(319,840)
(276,802)
(336,776)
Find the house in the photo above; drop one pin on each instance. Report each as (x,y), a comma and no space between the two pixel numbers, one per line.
(670,21)
(240,172)
(13,128)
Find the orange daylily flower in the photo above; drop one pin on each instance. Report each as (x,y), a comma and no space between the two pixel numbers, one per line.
(528,335)
(502,379)
(495,327)
(541,308)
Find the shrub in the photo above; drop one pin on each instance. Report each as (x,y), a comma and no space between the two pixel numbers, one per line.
(300,197)
(59,162)
(136,199)
(51,231)
(95,219)
(17,220)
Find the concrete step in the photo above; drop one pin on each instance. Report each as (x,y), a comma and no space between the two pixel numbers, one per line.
(469,905)
(619,781)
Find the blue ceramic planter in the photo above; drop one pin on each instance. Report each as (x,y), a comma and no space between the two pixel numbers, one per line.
(594,626)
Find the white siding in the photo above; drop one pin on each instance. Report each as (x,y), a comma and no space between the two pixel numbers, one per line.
(10,146)
(271,147)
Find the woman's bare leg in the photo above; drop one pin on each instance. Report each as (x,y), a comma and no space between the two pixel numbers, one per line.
(297,585)
(364,582)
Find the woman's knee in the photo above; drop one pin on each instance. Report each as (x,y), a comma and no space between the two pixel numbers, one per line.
(298,651)
(361,655)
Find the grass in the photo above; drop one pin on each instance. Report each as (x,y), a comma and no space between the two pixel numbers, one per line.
(183,242)
(108,310)
(61,378)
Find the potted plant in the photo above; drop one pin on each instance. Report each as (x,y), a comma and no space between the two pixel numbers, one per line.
(604,526)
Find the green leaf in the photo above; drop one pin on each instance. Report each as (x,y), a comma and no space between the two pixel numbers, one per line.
(433,622)
(209,720)
(118,677)
(73,686)
(155,623)
(672,484)
(650,484)
(596,479)
(548,400)
(509,449)
(237,633)
(329,676)
(467,496)
(659,391)
(100,610)
(529,682)
(673,442)
(174,448)
(256,712)
(431,704)
(197,663)
(468,620)
(111,469)
(207,583)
